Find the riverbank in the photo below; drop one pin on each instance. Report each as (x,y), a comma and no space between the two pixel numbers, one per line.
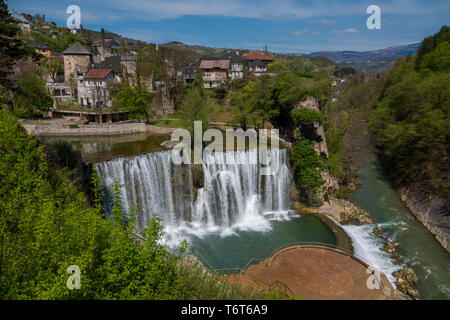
(432,212)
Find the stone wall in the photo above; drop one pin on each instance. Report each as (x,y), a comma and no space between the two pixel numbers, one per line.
(74,62)
(93,129)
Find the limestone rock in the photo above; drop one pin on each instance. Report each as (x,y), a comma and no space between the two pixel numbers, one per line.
(432,211)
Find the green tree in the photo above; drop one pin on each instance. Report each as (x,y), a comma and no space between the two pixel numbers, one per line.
(12,49)
(196,106)
(304,115)
(411,119)
(53,67)
(32,97)
(135,100)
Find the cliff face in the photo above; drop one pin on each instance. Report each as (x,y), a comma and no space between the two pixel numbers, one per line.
(432,212)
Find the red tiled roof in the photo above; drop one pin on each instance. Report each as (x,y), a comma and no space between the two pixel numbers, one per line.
(215,64)
(256,55)
(97,73)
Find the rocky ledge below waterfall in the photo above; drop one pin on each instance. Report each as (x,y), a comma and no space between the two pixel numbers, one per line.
(343,211)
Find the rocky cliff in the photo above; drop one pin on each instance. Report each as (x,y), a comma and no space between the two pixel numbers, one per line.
(432,211)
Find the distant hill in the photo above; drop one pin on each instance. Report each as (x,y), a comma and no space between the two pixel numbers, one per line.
(369,61)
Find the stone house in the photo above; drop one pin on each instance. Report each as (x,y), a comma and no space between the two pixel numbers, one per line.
(105,47)
(77,62)
(93,90)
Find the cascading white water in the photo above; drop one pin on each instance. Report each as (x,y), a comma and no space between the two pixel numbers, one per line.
(232,196)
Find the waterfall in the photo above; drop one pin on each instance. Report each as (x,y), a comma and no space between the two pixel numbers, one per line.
(231,196)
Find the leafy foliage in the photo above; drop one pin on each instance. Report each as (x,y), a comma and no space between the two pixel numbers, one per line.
(306,115)
(307,164)
(53,67)
(412,119)
(196,106)
(12,49)
(135,100)
(253,102)
(430,43)
(32,97)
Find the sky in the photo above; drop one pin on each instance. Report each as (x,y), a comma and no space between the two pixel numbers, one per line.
(286,26)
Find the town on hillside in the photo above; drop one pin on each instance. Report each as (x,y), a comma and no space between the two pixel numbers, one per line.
(82,75)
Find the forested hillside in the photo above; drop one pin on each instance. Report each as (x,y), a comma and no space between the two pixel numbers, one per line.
(411,122)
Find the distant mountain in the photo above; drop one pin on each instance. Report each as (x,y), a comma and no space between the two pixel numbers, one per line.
(369,61)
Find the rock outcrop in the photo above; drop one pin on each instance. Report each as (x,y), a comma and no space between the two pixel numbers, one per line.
(432,211)
(321,144)
(406,282)
(343,211)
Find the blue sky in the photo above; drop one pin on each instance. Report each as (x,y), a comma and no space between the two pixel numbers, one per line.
(284,25)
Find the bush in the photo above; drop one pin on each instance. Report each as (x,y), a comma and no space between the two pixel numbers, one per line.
(306,116)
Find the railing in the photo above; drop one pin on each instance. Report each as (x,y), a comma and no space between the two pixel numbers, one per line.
(286,290)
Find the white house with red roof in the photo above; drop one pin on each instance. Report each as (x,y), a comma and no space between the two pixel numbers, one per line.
(93,89)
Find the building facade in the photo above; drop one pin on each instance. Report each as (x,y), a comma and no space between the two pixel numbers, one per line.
(258,62)
(77,62)
(214,72)
(93,89)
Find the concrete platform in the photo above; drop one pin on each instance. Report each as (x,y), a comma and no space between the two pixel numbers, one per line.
(314,272)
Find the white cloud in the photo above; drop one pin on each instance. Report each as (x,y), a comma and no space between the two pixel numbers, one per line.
(299,32)
(326,21)
(350,30)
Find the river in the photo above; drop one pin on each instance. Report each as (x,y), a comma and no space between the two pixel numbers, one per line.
(429,260)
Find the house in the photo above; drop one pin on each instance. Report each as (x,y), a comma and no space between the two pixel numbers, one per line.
(22,22)
(104,47)
(75,29)
(92,89)
(214,72)
(28,17)
(257,62)
(42,49)
(77,61)
(189,74)
(113,63)
(236,65)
